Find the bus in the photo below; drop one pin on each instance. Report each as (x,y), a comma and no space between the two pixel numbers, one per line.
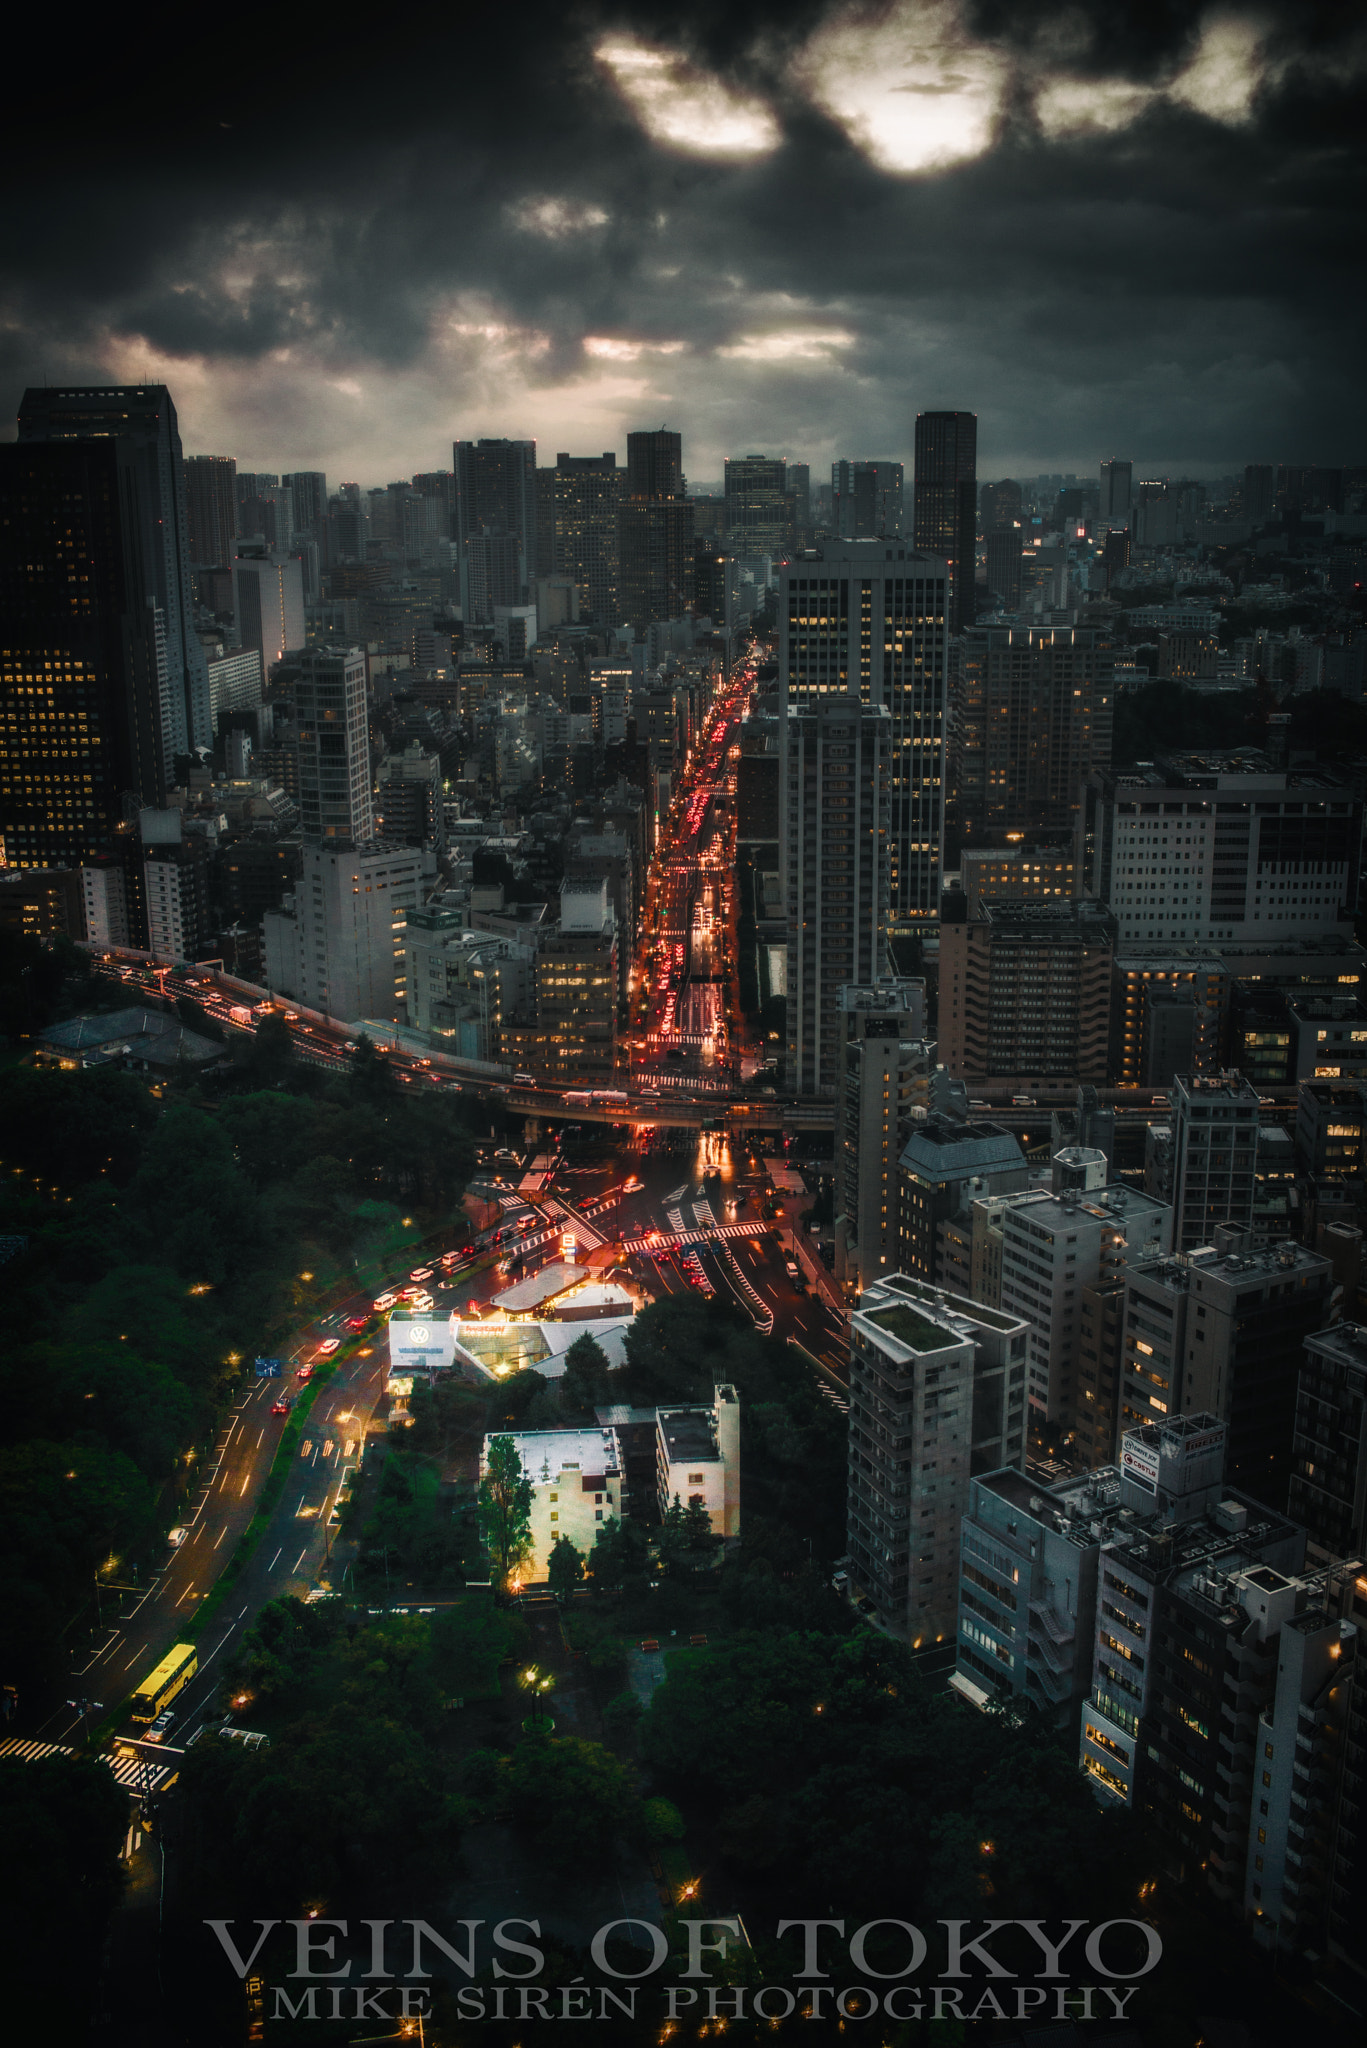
(171,1676)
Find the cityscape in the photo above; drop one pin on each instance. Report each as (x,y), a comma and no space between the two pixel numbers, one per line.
(683,1131)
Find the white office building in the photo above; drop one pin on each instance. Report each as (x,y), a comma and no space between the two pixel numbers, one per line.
(337,945)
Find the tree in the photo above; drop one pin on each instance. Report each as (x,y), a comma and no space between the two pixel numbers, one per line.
(585,1381)
(576,1796)
(370,1078)
(620,1553)
(505,1507)
(672,1542)
(700,1540)
(565,1569)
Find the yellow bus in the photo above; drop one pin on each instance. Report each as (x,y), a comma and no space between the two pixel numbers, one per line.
(174,1672)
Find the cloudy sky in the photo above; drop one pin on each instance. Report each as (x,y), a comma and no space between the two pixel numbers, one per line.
(1107,228)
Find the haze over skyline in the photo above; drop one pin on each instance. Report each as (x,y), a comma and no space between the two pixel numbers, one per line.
(1116,230)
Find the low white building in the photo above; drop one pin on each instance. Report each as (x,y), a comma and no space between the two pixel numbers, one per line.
(576,1477)
(697,1457)
(337,944)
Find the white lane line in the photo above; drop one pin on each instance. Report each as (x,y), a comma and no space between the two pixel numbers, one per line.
(275,1560)
(220,1536)
(133,1659)
(260,1437)
(300,1559)
(185,1596)
(246,1482)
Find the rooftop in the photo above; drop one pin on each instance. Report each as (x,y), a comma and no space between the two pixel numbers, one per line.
(546,1453)
(541,1287)
(917,1332)
(689,1434)
(958,1304)
(941,1148)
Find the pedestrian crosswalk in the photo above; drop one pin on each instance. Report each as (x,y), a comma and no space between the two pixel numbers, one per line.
(678,1233)
(129,1771)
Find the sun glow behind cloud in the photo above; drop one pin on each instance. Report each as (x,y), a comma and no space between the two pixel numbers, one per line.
(911,90)
(680,105)
(1221,81)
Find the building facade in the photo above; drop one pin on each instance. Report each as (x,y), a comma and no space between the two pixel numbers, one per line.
(869,620)
(337,945)
(1026,990)
(937,1391)
(945,504)
(1031,717)
(886,1071)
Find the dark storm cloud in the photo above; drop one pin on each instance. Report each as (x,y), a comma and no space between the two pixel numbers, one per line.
(340,250)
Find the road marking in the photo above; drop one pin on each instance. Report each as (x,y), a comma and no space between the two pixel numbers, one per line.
(260,1437)
(220,1536)
(275,1560)
(185,1596)
(246,1482)
(130,1660)
(302,1555)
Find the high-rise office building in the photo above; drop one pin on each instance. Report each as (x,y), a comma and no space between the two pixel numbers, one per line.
(1033,709)
(327,688)
(937,1393)
(267,514)
(577,530)
(945,503)
(1025,991)
(867,499)
(1116,490)
(654,464)
(870,619)
(140,421)
(947,1165)
(1328,1492)
(491,576)
(655,560)
(211,509)
(308,489)
(1003,548)
(85,740)
(759,511)
(799,481)
(337,944)
(1218,846)
(268,598)
(837,757)
(886,1070)
(495,493)
(999,504)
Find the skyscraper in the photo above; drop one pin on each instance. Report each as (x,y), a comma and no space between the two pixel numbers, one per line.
(1033,710)
(1116,490)
(328,690)
(140,421)
(1215,1147)
(759,512)
(84,741)
(867,498)
(308,489)
(495,493)
(580,501)
(655,464)
(654,532)
(946,503)
(210,509)
(268,598)
(837,753)
(864,617)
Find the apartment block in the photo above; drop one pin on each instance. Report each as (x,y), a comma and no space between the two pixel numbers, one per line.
(1214,1154)
(1032,709)
(576,1477)
(1164,998)
(937,1388)
(1081,1233)
(1221,1330)
(947,1164)
(886,1075)
(1024,873)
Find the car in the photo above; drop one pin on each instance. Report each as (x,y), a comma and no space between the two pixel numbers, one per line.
(423,1303)
(407,1293)
(791,1268)
(175,1537)
(357,1322)
(328,1346)
(282,1406)
(162,1726)
(304,1372)
(421,1273)
(384,1301)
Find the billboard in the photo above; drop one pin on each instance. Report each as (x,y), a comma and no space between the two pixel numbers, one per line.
(421,1343)
(1140,1463)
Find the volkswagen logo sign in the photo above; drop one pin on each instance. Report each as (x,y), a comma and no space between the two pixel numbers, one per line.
(419,1334)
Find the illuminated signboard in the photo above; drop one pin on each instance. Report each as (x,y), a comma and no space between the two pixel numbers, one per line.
(421,1343)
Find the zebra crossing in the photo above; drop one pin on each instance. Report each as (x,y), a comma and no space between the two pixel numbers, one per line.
(129,1771)
(679,1233)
